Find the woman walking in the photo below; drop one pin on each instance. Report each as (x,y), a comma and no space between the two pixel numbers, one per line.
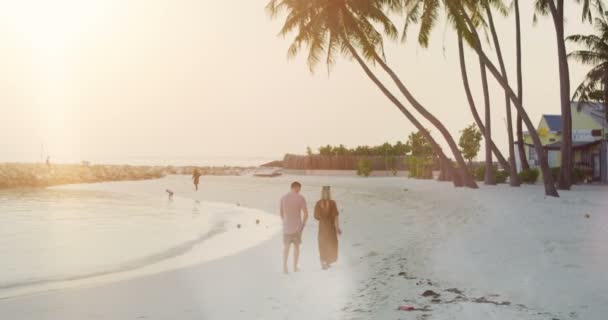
(326,211)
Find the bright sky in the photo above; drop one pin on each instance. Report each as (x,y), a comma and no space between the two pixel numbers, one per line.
(192,80)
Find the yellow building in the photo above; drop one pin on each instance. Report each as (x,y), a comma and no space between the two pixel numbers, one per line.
(589,140)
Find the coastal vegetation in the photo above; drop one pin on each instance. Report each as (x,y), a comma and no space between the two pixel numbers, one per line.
(364,167)
(470,142)
(593,53)
(358,30)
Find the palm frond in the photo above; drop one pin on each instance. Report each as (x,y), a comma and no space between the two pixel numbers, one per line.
(428,20)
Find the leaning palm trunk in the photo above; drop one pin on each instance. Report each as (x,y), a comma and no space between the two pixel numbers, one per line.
(466,176)
(513,177)
(465,81)
(490,179)
(436,148)
(520,89)
(565,178)
(544,164)
(463,171)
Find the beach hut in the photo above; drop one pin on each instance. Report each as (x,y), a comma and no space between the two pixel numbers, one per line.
(589,141)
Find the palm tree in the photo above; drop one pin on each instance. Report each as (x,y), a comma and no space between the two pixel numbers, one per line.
(331,26)
(489,172)
(595,54)
(465,81)
(556,9)
(467,26)
(520,88)
(377,15)
(415,14)
(513,177)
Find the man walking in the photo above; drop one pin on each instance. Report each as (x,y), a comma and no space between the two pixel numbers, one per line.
(294,215)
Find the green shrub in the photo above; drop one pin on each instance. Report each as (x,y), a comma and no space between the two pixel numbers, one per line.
(501,176)
(364,168)
(578,174)
(420,168)
(529,176)
(412,166)
(479,173)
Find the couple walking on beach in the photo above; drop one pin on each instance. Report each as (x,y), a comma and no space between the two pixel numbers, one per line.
(294,214)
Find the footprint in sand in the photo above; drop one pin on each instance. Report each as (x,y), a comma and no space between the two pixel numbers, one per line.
(371,254)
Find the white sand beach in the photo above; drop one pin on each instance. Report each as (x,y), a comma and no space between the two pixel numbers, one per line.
(493,253)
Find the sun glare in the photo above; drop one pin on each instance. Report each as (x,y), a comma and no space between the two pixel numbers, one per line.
(50,32)
(48,36)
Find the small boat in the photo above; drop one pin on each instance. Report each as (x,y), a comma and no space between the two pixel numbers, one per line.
(268,174)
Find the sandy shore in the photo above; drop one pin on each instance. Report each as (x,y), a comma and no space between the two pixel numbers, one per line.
(493,253)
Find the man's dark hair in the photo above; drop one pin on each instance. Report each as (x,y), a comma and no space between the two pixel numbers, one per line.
(296,184)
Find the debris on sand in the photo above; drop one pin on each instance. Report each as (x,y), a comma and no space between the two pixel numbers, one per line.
(425,282)
(454,290)
(238,226)
(430,293)
(257,221)
(485,300)
(587,216)
(410,308)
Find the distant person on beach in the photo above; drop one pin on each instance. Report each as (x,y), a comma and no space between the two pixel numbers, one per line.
(326,211)
(195,178)
(294,215)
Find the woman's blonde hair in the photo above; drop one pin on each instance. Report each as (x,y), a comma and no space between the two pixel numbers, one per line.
(326,193)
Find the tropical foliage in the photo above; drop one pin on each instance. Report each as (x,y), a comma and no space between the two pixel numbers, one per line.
(358,29)
(364,168)
(555,8)
(327,28)
(469,142)
(397,149)
(422,158)
(594,53)
(529,176)
(419,145)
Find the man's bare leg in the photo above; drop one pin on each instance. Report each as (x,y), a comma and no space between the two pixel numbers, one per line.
(285,256)
(296,256)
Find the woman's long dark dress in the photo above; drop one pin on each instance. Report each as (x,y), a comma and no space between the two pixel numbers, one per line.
(326,212)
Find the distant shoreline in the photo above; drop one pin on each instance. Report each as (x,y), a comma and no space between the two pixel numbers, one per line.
(40,175)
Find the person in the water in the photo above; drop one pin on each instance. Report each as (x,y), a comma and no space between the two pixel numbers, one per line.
(195,178)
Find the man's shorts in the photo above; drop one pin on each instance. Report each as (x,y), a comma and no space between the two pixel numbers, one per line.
(295,238)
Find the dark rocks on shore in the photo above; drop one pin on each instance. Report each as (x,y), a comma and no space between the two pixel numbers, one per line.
(18,175)
(34,175)
(214,171)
